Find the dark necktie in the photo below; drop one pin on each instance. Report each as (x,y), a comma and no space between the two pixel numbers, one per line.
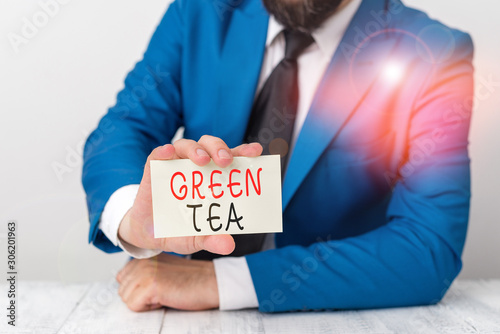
(271,124)
(273,114)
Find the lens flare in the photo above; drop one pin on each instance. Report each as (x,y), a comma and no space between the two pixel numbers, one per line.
(393,72)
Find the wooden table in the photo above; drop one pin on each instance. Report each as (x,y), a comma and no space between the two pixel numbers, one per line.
(469,307)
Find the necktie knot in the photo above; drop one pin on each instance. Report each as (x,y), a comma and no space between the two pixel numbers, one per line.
(296,43)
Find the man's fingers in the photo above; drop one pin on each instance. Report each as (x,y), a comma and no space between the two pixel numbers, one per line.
(127,290)
(165,152)
(124,272)
(137,299)
(218,244)
(152,307)
(189,149)
(247,150)
(217,149)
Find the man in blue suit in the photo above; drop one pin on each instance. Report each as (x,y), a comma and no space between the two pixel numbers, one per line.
(376,189)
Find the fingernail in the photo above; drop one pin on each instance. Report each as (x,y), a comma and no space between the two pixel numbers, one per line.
(201,153)
(223,154)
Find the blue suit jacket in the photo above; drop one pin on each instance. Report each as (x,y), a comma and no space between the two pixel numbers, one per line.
(376,197)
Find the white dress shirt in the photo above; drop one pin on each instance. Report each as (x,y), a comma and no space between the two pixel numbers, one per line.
(236,290)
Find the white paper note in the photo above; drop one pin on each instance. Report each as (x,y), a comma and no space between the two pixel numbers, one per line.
(243,198)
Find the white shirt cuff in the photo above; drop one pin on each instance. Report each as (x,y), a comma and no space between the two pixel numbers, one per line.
(236,290)
(115,209)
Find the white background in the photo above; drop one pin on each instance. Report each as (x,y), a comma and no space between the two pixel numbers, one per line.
(55,89)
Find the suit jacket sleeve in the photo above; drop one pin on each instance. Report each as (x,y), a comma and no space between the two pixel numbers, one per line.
(414,257)
(146,115)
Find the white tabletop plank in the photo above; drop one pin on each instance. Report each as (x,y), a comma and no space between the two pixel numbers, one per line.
(469,307)
(102,311)
(42,307)
(463,303)
(484,291)
(212,322)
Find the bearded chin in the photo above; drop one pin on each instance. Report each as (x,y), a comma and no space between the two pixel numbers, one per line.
(303,15)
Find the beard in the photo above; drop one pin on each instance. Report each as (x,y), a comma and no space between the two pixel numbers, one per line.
(303,15)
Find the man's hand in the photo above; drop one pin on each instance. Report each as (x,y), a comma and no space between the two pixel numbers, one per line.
(136,227)
(168,280)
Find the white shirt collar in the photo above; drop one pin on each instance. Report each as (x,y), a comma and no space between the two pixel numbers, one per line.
(273,30)
(335,25)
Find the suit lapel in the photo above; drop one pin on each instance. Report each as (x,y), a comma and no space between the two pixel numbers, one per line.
(339,95)
(239,70)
